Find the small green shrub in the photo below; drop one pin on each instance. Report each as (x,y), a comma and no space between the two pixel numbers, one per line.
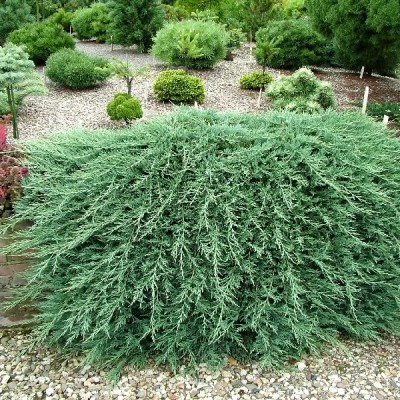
(255,80)
(379,109)
(301,92)
(41,39)
(177,86)
(76,70)
(123,106)
(199,235)
(235,38)
(92,22)
(297,44)
(192,44)
(63,18)
(175,13)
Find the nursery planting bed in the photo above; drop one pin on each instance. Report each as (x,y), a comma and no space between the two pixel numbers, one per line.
(372,369)
(62,108)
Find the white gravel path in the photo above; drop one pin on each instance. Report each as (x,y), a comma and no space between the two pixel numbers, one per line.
(371,372)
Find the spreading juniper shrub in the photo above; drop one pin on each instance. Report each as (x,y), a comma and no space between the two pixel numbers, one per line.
(198,235)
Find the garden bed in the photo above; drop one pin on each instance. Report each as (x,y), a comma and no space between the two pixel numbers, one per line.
(63,108)
(370,372)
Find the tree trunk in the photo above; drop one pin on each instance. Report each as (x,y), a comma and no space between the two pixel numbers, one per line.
(37,11)
(13,109)
(129,84)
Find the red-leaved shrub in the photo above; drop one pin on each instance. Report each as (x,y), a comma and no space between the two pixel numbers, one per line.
(11,172)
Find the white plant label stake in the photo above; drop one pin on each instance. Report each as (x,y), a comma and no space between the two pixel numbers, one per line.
(362,72)
(112,44)
(385,120)
(365,101)
(251,43)
(259,98)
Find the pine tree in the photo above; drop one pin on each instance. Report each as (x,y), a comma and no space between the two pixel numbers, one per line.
(13,14)
(256,13)
(18,78)
(135,22)
(365,33)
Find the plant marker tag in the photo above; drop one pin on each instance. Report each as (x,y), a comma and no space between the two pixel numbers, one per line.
(251,43)
(146,98)
(362,72)
(365,101)
(70,30)
(196,105)
(385,120)
(112,44)
(259,99)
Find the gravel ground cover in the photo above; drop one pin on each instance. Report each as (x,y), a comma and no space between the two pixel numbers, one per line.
(371,372)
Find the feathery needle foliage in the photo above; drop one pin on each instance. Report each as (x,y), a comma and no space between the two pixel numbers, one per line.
(198,234)
(18,79)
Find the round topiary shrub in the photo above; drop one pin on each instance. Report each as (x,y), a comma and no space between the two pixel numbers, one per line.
(198,235)
(255,80)
(192,44)
(77,70)
(177,86)
(123,106)
(295,44)
(41,39)
(301,92)
(92,22)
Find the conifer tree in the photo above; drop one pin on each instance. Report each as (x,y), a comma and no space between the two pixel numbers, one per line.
(13,14)
(364,32)
(18,79)
(256,13)
(135,22)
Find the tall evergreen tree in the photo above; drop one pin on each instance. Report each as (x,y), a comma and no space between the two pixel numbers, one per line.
(135,22)
(364,32)
(256,13)
(13,14)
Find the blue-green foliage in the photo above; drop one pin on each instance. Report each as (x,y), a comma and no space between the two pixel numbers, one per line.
(198,234)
